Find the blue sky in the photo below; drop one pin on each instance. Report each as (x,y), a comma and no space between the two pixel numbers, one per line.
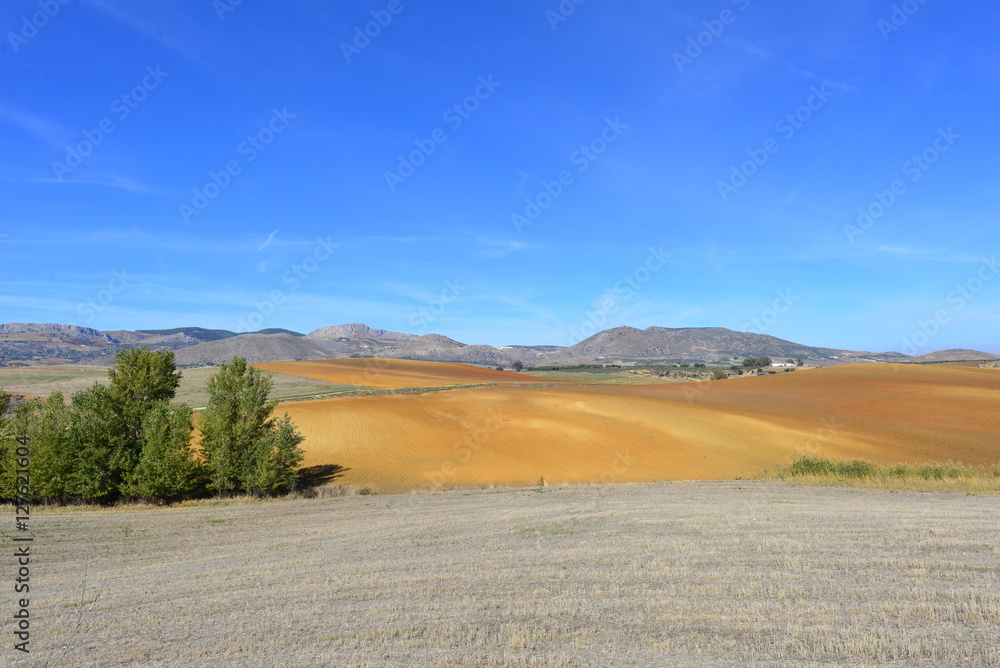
(505,173)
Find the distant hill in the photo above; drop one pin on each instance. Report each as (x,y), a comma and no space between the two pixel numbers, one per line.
(437,348)
(202,334)
(253,347)
(708,344)
(954,355)
(357,331)
(49,343)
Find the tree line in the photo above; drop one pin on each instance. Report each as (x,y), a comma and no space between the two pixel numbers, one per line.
(127,441)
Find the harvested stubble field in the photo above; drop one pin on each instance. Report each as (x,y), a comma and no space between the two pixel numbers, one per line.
(515,435)
(391,373)
(193,390)
(687,574)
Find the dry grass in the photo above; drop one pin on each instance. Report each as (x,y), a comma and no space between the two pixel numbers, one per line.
(193,390)
(950,477)
(391,373)
(708,574)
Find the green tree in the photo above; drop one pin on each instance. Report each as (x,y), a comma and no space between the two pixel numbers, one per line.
(518,365)
(799,362)
(757,362)
(99,452)
(141,378)
(18,422)
(719,374)
(277,459)
(234,423)
(46,424)
(167,468)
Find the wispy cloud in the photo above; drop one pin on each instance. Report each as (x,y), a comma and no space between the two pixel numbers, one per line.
(498,249)
(105,179)
(268,242)
(172,28)
(48,131)
(927,254)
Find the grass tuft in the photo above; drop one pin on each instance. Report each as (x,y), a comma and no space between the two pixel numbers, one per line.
(814,470)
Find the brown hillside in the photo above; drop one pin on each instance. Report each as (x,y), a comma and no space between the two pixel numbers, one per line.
(713,430)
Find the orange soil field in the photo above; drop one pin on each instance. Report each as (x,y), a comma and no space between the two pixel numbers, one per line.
(613,433)
(390,373)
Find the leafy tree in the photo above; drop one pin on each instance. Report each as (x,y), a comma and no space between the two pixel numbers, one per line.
(99,452)
(235,422)
(19,422)
(277,458)
(518,365)
(719,374)
(46,424)
(4,403)
(141,378)
(799,362)
(167,468)
(757,362)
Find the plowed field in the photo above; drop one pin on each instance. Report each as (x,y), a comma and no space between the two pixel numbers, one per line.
(713,430)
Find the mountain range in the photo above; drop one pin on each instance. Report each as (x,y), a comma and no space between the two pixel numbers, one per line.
(29,344)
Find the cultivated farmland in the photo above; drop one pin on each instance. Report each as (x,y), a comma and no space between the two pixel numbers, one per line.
(391,373)
(515,435)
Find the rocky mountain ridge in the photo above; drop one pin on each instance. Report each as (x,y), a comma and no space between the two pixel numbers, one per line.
(23,344)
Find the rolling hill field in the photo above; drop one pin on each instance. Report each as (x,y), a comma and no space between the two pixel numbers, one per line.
(516,435)
(393,373)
